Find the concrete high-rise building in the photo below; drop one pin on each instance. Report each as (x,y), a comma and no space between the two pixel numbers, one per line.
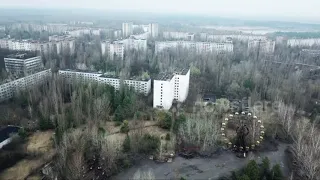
(169,87)
(154,30)
(265,46)
(127,29)
(23,64)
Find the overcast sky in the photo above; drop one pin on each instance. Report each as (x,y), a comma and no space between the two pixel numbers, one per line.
(226,8)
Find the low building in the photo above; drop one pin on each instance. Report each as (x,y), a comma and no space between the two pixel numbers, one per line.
(7,90)
(303,42)
(23,64)
(169,87)
(199,47)
(265,46)
(139,84)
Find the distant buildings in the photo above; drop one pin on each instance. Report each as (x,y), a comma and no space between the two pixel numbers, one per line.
(133,43)
(7,90)
(117,34)
(239,37)
(303,42)
(113,50)
(266,46)
(169,87)
(23,64)
(199,47)
(178,36)
(55,44)
(154,30)
(127,29)
(139,84)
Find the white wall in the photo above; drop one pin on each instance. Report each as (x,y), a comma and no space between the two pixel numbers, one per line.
(167,93)
(183,87)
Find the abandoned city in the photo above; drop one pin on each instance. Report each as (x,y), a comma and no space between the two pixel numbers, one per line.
(148,90)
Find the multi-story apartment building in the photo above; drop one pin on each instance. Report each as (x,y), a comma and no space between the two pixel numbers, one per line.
(154,30)
(140,85)
(179,35)
(266,46)
(171,86)
(127,29)
(303,42)
(239,37)
(199,47)
(116,50)
(23,45)
(23,64)
(133,43)
(117,33)
(7,90)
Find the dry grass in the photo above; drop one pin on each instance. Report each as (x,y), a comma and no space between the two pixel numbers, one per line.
(39,144)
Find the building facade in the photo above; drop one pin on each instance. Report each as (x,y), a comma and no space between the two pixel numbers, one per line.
(7,90)
(239,37)
(170,87)
(127,29)
(178,35)
(303,42)
(22,64)
(199,47)
(139,85)
(266,46)
(154,30)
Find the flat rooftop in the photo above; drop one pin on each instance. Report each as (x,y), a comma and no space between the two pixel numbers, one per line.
(22,56)
(181,71)
(164,77)
(133,78)
(79,70)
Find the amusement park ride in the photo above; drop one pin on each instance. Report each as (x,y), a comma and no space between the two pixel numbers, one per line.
(242,132)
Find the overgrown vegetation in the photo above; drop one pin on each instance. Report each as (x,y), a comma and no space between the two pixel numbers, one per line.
(254,171)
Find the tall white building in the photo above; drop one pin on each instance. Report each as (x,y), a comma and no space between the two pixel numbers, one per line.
(7,90)
(266,46)
(154,30)
(140,85)
(179,35)
(199,47)
(23,64)
(169,87)
(303,42)
(127,29)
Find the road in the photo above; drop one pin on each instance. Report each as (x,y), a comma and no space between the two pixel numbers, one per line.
(204,168)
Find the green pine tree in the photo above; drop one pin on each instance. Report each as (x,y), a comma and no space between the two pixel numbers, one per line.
(252,170)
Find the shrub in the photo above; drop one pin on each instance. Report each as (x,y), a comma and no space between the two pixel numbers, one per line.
(126,144)
(124,127)
(252,170)
(148,144)
(276,173)
(166,122)
(168,137)
(22,133)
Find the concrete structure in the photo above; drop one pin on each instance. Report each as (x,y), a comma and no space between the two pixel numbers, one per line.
(310,52)
(127,29)
(133,43)
(7,90)
(170,86)
(116,50)
(140,85)
(179,36)
(24,45)
(117,33)
(22,64)
(266,46)
(239,37)
(154,30)
(303,42)
(199,47)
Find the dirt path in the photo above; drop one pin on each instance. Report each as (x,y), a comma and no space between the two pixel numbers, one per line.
(201,168)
